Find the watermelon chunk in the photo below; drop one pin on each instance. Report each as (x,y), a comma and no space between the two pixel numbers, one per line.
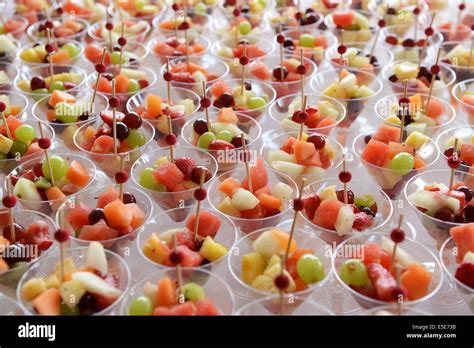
(209,223)
(206,307)
(326,214)
(375,152)
(79,215)
(386,134)
(168,174)
(97,232)
(463,235)
(383,281)
(108,196)
(258,175)
(190,258)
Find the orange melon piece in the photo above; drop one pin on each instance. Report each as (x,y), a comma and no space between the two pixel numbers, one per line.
(3,265)
(227,115)
(56,195)
(325,122)
(386,134)
(419,163)
(48,302)
(77,174)
(153,105)
(13,123)
(118,215)
(121,83)
(259,70)
(314,160)
(138,215)
(283,239)
(395,148)
(464,237)
(467,153)
(108,196)
(326,214)
(228,186)
(415,102)
(468,99)
(416,280)
(103,144)
(258,175)
(320,41)
(269,202)
(15,109)
(343,19)
(303,150)
(163,49)
(104,85)
(50,115)
(220,87)
(371,253)
(435,108)
(166,294)
(375,152)
(288,145)
(265,189)
(60,56)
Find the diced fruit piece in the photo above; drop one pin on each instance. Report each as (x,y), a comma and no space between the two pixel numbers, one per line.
(354,272)
(96,258)
(273,242)
(327,213)
(310,268)
(383,281)
(253,265)
(96,285)
(118,215)
(71,292)
(48,302)
(211,250)
(33,288)
(193,292)
(166,294)
(244,200)
(416,280)
(209,223)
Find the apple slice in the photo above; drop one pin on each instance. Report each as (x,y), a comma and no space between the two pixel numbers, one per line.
(345,220)
(96,285)
(244,200)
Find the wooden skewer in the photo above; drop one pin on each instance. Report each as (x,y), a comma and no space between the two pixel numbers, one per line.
(114,120)
(341,57)
(11,218)
(433,79)
(170,131)
(303,109)
(242,88)
(46,154)
(198,207)
(423,49)
(7,127)
(168,83)
(415,35)
(50,56)
(293,224)
(394,251)
(121,185)
(121,47)
(178,270)
(247,168)
(471,51)
(404,111)
(206,110)
(94,94)
(282,71)
(302,75)
(186,41)
(455,157)
(346,198)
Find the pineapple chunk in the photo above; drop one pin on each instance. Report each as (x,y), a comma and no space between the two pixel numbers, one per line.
(264,283)
(71,292)
(328,193)
(68,266)
(52,281)
(227,208)
(211,250)
(417,140)
(32,288)
(253,265)
(274,260)
(5,144)
(393,120)
(154,249)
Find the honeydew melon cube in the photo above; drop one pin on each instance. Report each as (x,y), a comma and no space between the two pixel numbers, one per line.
(364,92)
(226,207)
(4,79)
(406,70)
(326,109)
(416,127)
(264,283)
(71,292)
(289,125)
(345,220)
(417,139)
(167,236)
(135,74)
(393,120)
(281,191)
(243,199)
(314,170)
(292,169)
(26,190)
(280,155)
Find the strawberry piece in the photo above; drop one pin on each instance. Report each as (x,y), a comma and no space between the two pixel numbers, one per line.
(465,274)
(186,166)
(362,221)
(108,117)
(311,203)
(218,145)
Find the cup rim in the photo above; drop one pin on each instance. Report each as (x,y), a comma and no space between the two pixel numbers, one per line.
(92,27)
(23,48)
(445,133)
(31,32)
(379,302)
(447,271)
(139,245)
(79,250)
(158,38)
(222,42)
(273,10)
(456,90)
(309,289)
(191,10)
(311,303)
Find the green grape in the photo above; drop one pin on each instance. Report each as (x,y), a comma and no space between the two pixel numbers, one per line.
(402,162)
(135,138)
(40,91)
(25,133)
(59,166)
(256,103)
(18,147)
(306,40)
(354,272)
(142,305)
(225,135)
(115,57)
(148,181)
(244,27)
(66,311)
(200,8)
(133,86)
(57,85)
(72,49)
(43,183)
(364,201)
(205,139)
(310,268)
(193,292)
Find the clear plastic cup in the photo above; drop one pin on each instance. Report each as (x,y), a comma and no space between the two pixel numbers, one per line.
(176,219)
(354,106)
(18,33)
(135,14)
(121,245)
(403,11)
(199,22)
(214,287)
(260,88)
(267,46)
(303,239)
(134,53)
(45,73)
(353,246)
(49,207)
(358,35)
(117,267)
(275,143)
(286,305)
(383,55)
(109,163)
(35,35)
(403,32)
(230,158)
(246,226)
(113,70)
(437,229)
(11,71)
(394,309)
(93,14)
(9,57)
(19,101)
(170,200)
(383,109)
(447,256)
(461,67)
(201,40)
(359,188)
(283,18)
(458,101)
(98,32)
(279,111)
(316,53)
(445,140)
(11,277)
(9,306)
(389,180)
(210,5)
(447,75)
(138,101)
(59,43)
(284,88)
(226,26)
(447,23)
(257,8)
(65,131)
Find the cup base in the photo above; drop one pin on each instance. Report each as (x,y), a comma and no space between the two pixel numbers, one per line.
(447,296)
(337,298)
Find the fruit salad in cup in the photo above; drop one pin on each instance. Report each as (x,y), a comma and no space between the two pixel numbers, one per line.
(368,274)
(223,139)
(32,10)
(100,214)
(73,29)
(465,138)
(324,113)
(66,112)
(134,53)
(134,29)
(259,263)
(463,94)
(427,119)
(172,47)
(456,55)
(95,281)
(197,22)
(172,183)
(38,82)
(158,295)
(91,11)
(243,25)
(260,206)
(138,9)
(284,75)
(398,12)
(67,52)
(33,240)
(205,250)
(352,25)
(284,18)
(251,99)
(313,41)
(16,104)
(8,47)
(15,26)
(391,162)
(254,8)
